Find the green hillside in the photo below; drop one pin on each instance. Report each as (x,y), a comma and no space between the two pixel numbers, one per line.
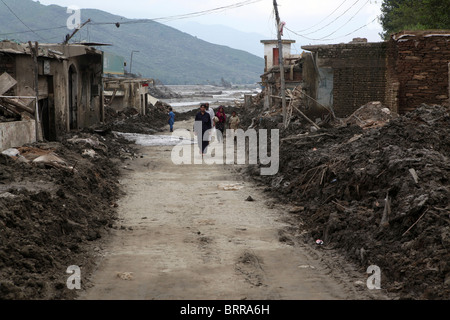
(165,53)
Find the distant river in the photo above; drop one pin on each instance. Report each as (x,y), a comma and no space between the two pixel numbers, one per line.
(194,95)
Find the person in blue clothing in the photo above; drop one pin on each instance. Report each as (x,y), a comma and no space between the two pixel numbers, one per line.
(171,119)
(202,128)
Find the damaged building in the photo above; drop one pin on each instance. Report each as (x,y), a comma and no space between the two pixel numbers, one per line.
(69,90)
(344,76)
(124,90)
(270,79)
(409,69)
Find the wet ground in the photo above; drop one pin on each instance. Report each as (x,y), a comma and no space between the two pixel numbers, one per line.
(187,232)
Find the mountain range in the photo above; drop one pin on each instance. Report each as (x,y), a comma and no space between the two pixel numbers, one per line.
(164,53)
(223,35)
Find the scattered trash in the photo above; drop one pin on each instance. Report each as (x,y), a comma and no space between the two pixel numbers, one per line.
(319,242)
(230,187)
(90,141)
(49,158)
(53,161)
(12,152)
(89,153)
(306,266)
(249,199)
(7,195)
(125,275)
(296,209)
(359,283)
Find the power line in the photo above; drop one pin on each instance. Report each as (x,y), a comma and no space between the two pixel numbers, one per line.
(33,31)
(348,21)
(21,20)
(315,31)
(186,15)
(164,19)
(343,36)
(324,18)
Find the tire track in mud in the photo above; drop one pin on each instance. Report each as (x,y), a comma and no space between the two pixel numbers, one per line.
(181,237)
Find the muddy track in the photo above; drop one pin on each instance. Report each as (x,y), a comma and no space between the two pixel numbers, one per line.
(179,236)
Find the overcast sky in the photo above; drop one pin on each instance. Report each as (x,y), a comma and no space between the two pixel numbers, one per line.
(312,19)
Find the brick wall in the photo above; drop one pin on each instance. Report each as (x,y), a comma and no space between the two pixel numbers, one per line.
(359,73)
(419,63)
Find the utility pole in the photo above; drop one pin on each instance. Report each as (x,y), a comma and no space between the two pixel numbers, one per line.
(281,62)
(69,36)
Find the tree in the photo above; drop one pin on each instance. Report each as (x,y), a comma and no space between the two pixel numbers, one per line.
(398,15)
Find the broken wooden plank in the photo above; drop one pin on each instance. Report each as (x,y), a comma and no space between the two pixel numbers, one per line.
(11,109)
(18,104)
(414,175)
(307,135)
(415,223)
(112,98)
(386,213)
(307,119)
(6,83)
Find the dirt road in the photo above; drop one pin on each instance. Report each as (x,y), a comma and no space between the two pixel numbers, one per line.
(181,237)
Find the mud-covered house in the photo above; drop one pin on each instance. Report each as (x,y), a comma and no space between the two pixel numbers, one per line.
(409,69)
(69,91)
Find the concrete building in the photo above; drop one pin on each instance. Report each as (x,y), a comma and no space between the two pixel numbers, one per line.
(271,52)
(270,79)
(125,92)
(69,78)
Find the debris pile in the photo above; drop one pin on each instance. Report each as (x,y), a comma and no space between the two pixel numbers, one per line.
(371,115)
(131,121)
(380,194)
(56,199)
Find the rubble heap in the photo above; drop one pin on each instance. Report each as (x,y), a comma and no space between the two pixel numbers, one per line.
(380,194)
(55,200)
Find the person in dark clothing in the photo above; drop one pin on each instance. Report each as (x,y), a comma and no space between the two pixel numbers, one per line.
(220,125)
(171,119)
(202,126)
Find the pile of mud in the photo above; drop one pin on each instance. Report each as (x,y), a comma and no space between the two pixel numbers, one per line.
(131,121)
(380,195)
(56,200)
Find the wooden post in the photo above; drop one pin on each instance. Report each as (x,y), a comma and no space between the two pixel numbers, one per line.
(281,62)
(34,55)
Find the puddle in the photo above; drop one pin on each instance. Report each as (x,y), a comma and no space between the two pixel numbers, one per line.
(148,140)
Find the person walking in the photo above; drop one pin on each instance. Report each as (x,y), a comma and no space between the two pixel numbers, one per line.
(211,113)
(234,123)
(220,124)
(202,127)
(171,119)
(210,110)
